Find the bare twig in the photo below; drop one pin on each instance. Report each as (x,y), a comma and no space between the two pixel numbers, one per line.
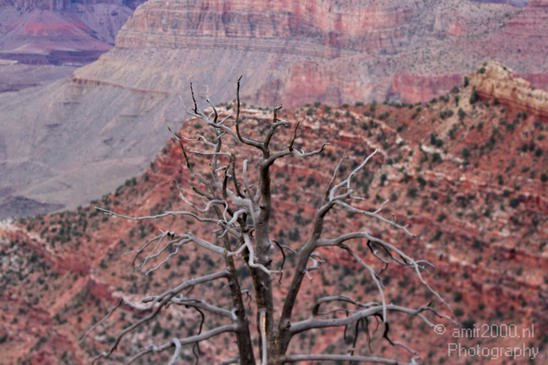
(177,352)
(314,323)
(92,328)
(162,301)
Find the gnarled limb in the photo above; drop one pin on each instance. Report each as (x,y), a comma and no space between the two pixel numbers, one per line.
(204,305)
(161,301)
(314,323)
(418,266)
(184,341)
(330,198)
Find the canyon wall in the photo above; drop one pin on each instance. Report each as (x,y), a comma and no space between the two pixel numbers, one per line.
(351,25)
(111,112)
(351,51)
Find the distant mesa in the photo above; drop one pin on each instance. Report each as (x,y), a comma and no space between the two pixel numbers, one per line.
(59,32)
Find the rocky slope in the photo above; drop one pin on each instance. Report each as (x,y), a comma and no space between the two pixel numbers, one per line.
(15,76)
(467,172)
(292,53)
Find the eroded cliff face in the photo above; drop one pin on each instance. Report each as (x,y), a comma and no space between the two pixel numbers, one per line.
(350,25)
(349,51)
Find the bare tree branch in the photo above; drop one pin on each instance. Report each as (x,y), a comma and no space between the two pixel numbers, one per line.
(373,214)
(348,179)
(161,215)
(357,358)
(242,139)
(338,298)
(275,124)
(162,300)
(177,352)
(202,304)
(251,261)
(408,260)
(293,152)
(314,323)
(92,328)
(374,277)
(185,341)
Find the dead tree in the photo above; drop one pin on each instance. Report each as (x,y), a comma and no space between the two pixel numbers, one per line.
(234,197)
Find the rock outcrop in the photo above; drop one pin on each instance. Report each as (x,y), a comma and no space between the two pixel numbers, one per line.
(494,80)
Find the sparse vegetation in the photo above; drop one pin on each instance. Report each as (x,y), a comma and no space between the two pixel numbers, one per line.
(474,97)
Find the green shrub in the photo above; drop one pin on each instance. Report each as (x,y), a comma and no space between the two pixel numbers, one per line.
(474,97)
(461,114)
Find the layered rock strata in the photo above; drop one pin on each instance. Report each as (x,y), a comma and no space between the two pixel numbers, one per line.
(111,112)
(497,81)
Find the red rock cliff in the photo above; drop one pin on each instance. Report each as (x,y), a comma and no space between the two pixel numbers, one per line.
(349,51)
